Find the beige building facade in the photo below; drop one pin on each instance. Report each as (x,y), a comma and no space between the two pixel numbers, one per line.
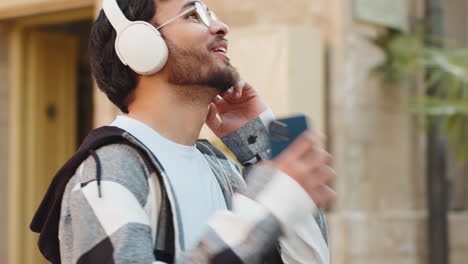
(309,56)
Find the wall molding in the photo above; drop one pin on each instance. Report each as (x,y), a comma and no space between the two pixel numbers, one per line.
(13,10)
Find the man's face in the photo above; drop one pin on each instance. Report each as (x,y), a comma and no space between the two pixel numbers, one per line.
(197,54)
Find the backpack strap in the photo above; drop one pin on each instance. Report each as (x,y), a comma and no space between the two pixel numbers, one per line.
(228,178)
(164,249)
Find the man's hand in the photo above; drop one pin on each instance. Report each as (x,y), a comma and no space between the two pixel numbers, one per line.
(306,161)
(235,108)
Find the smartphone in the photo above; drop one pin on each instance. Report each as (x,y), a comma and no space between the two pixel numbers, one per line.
(284,131)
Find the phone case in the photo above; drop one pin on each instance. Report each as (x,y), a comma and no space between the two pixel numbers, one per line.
(284,131)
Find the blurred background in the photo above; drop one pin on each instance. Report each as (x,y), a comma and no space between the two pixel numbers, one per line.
(387,81)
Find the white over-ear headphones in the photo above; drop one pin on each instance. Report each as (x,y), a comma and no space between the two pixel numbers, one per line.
(138,44)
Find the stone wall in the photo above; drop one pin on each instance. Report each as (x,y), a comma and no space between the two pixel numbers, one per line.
(457,35)
(379,216)
(4,133)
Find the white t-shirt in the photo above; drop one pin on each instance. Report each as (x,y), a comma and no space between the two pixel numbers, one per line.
(196,189)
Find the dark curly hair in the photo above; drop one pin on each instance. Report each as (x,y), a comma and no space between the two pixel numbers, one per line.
(115,79)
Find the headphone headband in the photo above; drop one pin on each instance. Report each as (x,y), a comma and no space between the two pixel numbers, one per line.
(115,15)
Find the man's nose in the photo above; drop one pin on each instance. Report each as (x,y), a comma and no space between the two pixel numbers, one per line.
(219,28)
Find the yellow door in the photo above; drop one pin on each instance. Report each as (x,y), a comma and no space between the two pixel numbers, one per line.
(49,127)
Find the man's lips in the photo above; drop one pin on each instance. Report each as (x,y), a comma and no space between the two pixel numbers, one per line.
(220,48)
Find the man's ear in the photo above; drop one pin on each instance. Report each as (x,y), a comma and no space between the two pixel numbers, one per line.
(141,47)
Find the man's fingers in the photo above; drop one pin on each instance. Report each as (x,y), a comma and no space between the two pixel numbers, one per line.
(322,195)
(302,145)
(221,104)
(306,161)
(316,158)
(212,120)
(237,93)
(234,92)
(320,176)
(227,93)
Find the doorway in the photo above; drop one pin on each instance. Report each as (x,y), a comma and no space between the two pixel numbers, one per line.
(52,111)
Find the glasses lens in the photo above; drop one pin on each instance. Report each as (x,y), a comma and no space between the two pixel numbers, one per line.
(204,14)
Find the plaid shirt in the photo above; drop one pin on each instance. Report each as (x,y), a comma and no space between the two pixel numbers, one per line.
(127,223)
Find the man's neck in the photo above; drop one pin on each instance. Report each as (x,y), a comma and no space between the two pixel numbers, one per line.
(176,113)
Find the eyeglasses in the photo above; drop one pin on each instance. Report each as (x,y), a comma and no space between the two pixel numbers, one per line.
(202,12)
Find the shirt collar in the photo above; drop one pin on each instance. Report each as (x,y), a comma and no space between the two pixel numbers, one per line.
(148,136)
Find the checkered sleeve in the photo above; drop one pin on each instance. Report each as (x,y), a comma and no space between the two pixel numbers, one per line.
(271,203)
(307,242)
(249,143)
(111,225)
(116,227)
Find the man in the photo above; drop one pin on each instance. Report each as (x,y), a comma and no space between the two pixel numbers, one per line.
(145,189)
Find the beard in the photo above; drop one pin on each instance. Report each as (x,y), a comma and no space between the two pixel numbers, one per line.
(195,68)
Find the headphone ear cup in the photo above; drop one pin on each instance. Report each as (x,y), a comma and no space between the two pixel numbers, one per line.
(142,48)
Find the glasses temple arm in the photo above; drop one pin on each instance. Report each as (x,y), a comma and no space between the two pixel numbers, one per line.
(182,14)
